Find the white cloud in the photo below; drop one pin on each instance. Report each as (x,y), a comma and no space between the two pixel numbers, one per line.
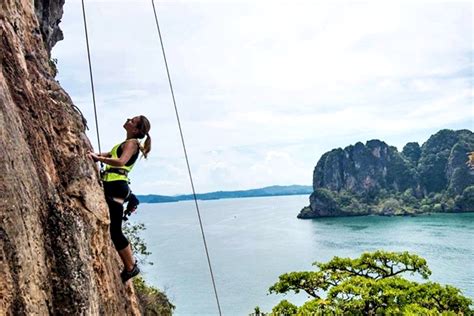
(264,88)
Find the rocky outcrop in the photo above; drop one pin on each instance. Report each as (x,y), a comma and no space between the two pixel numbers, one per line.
(49,14)
(363,169)
(443,161)
(375,178)
(56,254)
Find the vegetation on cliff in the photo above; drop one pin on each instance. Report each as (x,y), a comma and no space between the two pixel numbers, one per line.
(369,285)
(377,179)
(151,300)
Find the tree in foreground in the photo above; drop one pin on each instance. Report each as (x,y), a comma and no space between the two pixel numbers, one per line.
(369,285)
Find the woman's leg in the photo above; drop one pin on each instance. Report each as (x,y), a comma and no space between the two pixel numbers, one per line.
(115,204)
(120,241)
(127,258)
(116,214)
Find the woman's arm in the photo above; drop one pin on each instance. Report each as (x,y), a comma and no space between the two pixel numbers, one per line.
(95,156)
(129,149)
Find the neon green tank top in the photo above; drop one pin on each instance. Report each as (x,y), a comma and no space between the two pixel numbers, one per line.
(109,175)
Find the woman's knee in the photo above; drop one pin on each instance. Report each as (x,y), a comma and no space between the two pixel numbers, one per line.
(119,240)
(116,233)
(117,236)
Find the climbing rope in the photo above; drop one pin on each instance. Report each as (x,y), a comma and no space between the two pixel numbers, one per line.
(180,131)
(186,156)
(91,77)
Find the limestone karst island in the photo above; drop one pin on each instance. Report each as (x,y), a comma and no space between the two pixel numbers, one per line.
(377,179)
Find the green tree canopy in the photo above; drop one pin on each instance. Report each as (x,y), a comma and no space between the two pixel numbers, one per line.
(369,285)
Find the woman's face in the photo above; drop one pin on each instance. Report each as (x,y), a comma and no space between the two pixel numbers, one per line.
(131,124)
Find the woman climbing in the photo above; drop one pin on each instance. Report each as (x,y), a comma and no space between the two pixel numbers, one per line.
(119,162)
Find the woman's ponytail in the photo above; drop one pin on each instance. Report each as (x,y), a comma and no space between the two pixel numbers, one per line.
(144,127)
(146,146)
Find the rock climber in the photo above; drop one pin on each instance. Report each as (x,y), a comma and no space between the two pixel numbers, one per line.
(119,162)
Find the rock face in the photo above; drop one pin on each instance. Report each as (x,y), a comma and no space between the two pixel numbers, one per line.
(357,179)
(56,254)
(49,15)
(363,169)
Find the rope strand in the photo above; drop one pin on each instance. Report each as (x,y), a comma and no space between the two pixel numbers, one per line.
(187,160)
(91,77)
(180,131)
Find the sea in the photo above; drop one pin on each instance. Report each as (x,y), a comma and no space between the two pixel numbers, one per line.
(251,241)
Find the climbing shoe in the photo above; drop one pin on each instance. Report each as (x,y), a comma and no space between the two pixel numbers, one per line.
(127,275)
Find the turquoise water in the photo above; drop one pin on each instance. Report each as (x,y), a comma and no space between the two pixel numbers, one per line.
(253,240)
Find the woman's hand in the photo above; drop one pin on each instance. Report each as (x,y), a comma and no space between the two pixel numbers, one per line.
(94,156)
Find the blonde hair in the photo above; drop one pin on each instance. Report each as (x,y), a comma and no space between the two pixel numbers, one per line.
(143,130)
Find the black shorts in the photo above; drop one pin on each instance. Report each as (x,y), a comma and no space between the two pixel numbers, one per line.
(116,189)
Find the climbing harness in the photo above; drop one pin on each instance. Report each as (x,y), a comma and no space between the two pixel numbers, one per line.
(180,131)
(118,171)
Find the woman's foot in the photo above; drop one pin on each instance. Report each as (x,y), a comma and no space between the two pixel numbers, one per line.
(127,275)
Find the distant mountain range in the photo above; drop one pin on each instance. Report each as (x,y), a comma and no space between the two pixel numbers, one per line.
(275,190)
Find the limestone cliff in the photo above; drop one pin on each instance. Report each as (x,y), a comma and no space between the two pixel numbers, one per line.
(377,179)
(56,254)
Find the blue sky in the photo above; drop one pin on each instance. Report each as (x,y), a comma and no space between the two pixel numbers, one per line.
(264,88)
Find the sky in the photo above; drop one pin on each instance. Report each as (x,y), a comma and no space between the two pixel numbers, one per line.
(264,88)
